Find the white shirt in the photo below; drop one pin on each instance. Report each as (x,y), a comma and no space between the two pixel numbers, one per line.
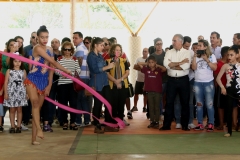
(140,75)
(217,52)
(191,72)
(204,73)
(177,56)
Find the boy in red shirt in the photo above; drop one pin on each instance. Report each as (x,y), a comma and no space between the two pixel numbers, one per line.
(153,87)
(221,100)
(1,100)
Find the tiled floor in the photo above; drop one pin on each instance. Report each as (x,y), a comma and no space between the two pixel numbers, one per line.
(135,142)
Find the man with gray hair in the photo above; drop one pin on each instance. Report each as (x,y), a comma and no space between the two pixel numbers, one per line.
(177,62)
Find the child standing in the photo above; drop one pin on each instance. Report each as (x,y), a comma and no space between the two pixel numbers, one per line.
(1,101)
(15,93)
(232,90)
(153,87)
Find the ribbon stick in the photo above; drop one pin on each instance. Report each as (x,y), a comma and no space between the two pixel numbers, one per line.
(120,123)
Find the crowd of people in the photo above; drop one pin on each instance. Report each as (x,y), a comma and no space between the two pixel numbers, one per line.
(176,82)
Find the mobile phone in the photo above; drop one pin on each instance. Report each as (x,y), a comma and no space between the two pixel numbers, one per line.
(15,44)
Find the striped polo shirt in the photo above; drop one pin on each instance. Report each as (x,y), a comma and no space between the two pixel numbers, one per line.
(82,51)
(70,64)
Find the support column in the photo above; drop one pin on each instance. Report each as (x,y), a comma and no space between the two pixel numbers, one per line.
(135,51)
(73,4)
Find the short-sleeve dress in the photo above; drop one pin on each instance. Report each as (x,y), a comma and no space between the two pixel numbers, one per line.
(16,90)
(38,75)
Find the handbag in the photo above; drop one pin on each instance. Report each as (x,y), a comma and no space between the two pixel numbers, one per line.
(87,93)
(76,86)
(130,89)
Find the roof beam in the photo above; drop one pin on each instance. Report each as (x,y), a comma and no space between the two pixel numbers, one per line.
(134,1)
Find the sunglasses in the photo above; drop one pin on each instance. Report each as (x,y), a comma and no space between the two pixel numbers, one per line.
(106,44)
(66,49)
(33,37)
(86,42)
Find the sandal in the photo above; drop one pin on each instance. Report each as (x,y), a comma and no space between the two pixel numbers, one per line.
(65,126)
(73,127)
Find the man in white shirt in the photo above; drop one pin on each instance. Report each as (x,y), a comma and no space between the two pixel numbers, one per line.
(177,104)
(140,83)
(177,62)
(216,50)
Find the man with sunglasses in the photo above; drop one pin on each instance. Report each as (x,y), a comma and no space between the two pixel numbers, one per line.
(33,42)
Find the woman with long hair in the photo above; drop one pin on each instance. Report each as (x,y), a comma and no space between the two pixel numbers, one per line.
(98,78)
(203,64)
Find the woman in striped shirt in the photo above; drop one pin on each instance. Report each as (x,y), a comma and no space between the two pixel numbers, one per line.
(66,93)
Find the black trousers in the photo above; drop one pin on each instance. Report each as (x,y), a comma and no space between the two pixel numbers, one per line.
(176,86)
(66,94)
(26,113)
(45,111)
(117,101)
(97,107)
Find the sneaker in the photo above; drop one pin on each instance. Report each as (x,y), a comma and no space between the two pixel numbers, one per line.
(78,124)
(125,122)
(12,130)
(210,127)
(87,124)
(134,109)
(144,109)
(199,127)
(192,126)
(129,115)
(156,125)
(47,128)
(23,127)
(1,129)
(178,126)
(151,125)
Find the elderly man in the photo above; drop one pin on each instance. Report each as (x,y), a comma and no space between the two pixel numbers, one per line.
(177,62)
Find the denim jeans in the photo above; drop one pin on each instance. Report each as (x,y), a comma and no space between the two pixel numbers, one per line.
(164,86)
(84,103)
(204,91)
(177,105)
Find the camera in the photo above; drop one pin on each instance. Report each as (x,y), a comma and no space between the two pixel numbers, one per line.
(200,53)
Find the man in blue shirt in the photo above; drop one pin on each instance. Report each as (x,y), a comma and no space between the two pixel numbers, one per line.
(83,102)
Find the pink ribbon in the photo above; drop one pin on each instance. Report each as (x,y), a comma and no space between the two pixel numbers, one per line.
(120,123)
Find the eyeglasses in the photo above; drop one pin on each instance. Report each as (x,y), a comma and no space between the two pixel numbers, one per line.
(33,37)
(106,44)
(158,44)
(66,49)
(86,42)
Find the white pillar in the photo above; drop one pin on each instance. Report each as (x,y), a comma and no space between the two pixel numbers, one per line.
(73,4)
(135,51)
